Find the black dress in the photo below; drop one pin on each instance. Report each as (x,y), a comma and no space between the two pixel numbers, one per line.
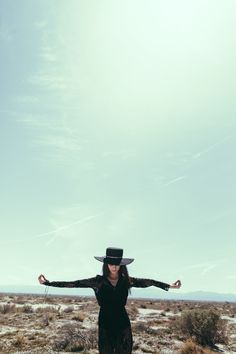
(114,335)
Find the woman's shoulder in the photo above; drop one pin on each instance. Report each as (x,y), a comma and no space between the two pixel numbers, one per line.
(100,278)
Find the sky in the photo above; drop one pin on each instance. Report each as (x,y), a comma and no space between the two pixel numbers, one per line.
(118,129)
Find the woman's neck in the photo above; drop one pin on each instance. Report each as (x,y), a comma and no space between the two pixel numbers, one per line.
(113,276)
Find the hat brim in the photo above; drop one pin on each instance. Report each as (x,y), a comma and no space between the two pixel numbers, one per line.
(124,261)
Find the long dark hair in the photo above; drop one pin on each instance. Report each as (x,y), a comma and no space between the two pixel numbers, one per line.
(123,272)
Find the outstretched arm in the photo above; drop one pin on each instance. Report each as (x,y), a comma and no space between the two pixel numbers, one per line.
(83,283)
(144,283)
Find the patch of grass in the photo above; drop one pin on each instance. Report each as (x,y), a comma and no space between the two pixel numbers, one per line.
(19,341)
(80,317)
(190,347)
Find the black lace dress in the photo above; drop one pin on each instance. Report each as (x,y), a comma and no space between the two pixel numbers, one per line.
(114,335)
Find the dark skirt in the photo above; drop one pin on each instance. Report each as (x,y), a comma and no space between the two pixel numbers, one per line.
(118,342)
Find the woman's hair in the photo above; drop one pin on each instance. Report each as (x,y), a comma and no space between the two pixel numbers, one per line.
(123,272)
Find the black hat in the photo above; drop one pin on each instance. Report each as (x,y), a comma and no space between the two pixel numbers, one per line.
(114,256)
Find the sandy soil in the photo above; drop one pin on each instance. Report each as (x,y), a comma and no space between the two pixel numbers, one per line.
(52,324)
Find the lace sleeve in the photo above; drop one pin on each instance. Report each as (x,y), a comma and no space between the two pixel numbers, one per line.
(83,283)
(145,283)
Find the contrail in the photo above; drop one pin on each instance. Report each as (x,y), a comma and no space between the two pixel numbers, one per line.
(174,180)
(211,147)
(65,227)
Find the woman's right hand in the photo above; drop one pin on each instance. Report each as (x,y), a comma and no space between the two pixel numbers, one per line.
(42,279)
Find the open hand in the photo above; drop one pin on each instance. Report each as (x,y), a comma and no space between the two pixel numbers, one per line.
(176,285)
(42,279)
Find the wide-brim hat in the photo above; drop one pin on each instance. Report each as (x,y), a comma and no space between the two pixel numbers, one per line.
(114,256)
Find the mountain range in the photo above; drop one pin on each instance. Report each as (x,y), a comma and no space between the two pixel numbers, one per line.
(137,293)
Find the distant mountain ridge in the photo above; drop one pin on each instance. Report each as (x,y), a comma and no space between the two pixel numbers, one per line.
(137,293)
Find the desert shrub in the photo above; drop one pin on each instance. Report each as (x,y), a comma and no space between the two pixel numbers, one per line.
(19,300)
(74,339)
(20,340)
(27,309)
(143,306)
(133,312)
(190,347)
(46,318)
(7,308)
(205,326)
(80,317)
(140,327)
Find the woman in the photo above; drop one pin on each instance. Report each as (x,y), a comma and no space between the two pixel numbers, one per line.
(111,290)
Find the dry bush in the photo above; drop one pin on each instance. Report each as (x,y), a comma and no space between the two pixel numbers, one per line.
(27,309)
(143,306)
(80,317)
(20,340)
(19,300)
(73,338)
(190,347)
(46,318)
(205,326)
(140,327)
(7,308)
(133,312)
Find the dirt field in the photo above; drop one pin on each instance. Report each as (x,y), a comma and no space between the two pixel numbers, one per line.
(52,324)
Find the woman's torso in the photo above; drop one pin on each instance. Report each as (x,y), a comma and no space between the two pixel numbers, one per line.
(112,300)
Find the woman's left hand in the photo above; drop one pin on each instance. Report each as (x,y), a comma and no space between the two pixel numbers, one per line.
(176,285)
(42,279)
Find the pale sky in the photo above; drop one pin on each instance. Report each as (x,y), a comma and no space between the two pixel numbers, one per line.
(118,129)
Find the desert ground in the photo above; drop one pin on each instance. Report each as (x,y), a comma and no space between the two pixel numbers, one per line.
(68,324)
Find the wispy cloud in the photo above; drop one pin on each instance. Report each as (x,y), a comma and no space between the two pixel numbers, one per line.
(65,143)
(66,227)
(205,267)
(49,80)
(55,233)
(210,147)
(48,54)
(175,180)
(208,268)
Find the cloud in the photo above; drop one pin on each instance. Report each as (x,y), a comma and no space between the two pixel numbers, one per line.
(48,54)
(65,143)
(56,232)
(49,81)
(205,267)
(208,268)
(211,147)
(175,180)
(52,235)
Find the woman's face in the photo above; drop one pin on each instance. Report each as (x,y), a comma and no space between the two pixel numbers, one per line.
(113,269)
